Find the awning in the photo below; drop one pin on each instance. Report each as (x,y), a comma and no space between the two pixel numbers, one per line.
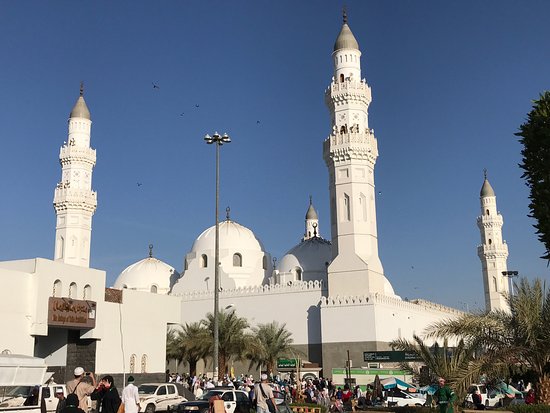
(392,382)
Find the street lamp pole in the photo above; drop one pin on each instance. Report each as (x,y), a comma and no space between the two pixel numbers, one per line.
(510,275)
(219,141)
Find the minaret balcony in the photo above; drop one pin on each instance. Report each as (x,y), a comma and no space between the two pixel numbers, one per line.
(493,251)
(74,196)
(343,147)
(69,153)
(350,88)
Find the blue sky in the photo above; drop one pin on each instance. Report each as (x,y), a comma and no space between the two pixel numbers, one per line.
(451,83)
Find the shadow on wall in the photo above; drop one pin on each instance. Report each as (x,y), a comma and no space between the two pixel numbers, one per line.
(315,352)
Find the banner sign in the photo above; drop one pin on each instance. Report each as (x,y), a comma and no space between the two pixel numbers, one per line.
(390,356)
(286,363)
(66,312)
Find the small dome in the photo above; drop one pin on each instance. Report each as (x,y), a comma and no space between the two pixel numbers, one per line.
(311,257)
(149,274)
(80,110)
(486,189)
(311,213)
(346,39)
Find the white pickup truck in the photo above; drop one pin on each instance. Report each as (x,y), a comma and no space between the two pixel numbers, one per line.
(158,396)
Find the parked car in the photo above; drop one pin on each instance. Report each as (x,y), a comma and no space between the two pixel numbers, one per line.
(15,396)
(400,398)
(158,396)
(490,397)
(235,401)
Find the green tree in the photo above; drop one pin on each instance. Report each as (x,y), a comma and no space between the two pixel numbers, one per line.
(185,344)
(274,341)
(518,339)
(441,361)
(236,341)
(535,138)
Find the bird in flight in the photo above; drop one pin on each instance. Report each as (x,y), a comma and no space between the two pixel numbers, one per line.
(139,184)
(257,122)
(182,113)
(197,105)
(155,86)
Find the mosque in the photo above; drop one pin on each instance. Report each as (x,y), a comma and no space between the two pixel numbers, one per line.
(68,316)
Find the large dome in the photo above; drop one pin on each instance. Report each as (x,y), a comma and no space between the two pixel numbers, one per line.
(231,234)
(243,260)
(150,274)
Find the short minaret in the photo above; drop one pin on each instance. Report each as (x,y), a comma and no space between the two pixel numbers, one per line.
(493,250)
(74,201)
(312,222)
(350,153)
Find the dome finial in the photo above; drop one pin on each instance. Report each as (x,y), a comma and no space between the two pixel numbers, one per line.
(81,88)
(150,250)
(485,173)
(344,14)
(310,200)
(227,211)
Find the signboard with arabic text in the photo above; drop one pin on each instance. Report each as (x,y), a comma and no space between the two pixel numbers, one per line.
(69,313)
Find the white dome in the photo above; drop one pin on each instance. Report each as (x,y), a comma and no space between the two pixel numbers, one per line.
(149,274)
(311,257)
(243,261)
(232,235)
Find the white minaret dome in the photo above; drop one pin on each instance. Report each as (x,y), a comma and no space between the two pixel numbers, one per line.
(346,39)
(243,260)
(80,109)
(149,274)
(486,189)
(311,213)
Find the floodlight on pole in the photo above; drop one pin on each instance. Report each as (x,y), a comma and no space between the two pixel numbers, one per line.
(219,141)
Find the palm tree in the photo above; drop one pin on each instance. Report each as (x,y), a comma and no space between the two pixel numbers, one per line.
(443,361)
(274,341)
(184,344)
(235,342)
(519,338)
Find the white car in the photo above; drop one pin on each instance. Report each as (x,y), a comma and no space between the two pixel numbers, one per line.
(15,396)
(489,397)
(158,396)
(401,398)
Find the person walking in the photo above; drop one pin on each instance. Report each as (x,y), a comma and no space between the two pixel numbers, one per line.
(61,400)
(80,386)
(130,397)
(263,393)
(444,397)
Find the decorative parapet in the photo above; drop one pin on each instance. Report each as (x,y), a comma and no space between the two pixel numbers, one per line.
(65,198)
(296,287)
(71,153)
(351,145)
(349,89)
(372,299)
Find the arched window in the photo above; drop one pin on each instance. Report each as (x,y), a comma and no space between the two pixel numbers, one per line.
(237,260)
(87,292)
(495,285)
(487,212)
(490,241)
(144,363)
(57,288)
(133,358)
(204,261)
(298,274)
(154,289)
(264,262)
(342,78)
(72,290)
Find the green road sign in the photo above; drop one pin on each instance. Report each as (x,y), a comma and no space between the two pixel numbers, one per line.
(286,363)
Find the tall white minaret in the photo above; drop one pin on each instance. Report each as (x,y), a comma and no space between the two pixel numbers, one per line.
(74,201)
(312,222)
(350,153)
(493,250)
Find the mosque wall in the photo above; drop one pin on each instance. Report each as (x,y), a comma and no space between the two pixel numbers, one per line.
(134,332)
(296,305)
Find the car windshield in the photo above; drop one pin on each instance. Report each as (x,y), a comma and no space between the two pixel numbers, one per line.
(211,393)
(15,391)
(147,389)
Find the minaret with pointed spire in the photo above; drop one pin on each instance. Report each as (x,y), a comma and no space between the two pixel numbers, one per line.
(350,153)
(493,250)
(312,222)
(74,201)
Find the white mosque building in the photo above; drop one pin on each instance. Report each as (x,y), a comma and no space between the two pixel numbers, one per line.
(68,316)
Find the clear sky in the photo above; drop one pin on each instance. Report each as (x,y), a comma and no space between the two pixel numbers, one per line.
(451,82)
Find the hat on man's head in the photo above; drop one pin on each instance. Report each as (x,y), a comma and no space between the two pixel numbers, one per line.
(264,377)
(79,371)
(131,379)
(59,390)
